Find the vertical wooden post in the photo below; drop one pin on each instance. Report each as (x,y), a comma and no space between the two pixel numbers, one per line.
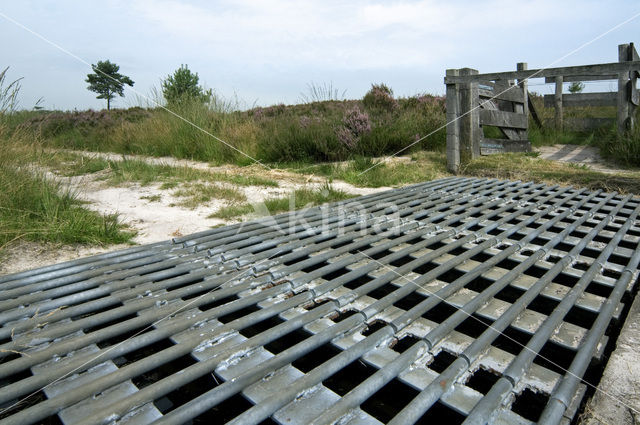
(623,91)
(453,125)
(524,108)
(558,103)
(634,95)
(469,118)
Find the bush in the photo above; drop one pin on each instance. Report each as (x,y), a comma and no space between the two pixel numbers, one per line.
(380,98)
(355,124)
(624,149)
(292,138)
(182,86)
(321,131)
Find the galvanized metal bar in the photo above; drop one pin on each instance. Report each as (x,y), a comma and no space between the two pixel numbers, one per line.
(505,384)
(434,391)
(225,296)
(128,400)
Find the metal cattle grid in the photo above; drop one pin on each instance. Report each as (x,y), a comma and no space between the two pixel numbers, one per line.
(465,300)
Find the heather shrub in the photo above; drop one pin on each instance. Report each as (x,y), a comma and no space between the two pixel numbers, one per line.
(355,124)
(294,138)
(380,98)
(318,131)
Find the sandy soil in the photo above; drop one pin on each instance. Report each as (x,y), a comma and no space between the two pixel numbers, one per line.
(153,212)
(588,156)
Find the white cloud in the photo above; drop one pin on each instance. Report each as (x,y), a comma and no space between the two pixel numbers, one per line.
(271,49)
(350,35)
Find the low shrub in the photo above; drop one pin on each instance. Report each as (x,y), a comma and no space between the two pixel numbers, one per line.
(217,132)
(380,98)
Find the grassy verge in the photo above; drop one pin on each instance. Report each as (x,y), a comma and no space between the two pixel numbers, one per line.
(35,208)
(196,194)
(369,172)
(133,170)
(528,167)
(301,198)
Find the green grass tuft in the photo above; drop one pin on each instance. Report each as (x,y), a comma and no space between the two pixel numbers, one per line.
(35,208)
(369,172)
(196,194)
(300,198)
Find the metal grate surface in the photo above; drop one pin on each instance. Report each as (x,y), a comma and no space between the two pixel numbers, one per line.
(458,300)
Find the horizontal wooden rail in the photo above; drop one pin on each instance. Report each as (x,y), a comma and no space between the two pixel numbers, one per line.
(510,95)
(491,146)
(605,69)
(503,119)
(583,99)
(574,78)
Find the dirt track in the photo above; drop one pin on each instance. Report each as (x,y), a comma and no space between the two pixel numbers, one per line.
(588,156)
(155,213)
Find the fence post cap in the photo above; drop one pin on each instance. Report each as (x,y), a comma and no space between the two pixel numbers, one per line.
(468,71)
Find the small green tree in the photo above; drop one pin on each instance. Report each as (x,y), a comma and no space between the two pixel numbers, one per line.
(107,81)
(183,86)
(576,87)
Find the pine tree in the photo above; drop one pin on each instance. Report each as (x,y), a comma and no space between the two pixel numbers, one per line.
(107,81)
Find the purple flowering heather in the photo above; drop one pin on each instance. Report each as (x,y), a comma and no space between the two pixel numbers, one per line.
(357,121)
(428,100)
(380,97)
(355,124)
(346,137)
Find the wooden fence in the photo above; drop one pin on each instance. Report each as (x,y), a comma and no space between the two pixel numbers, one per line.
(501,99)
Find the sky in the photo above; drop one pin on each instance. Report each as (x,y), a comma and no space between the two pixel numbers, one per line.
(270,51)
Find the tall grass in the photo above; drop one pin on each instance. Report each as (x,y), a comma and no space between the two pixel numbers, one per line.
(33,207)
(321,92)
(624,148)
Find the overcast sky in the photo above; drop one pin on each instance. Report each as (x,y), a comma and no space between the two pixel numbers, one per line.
(268,51)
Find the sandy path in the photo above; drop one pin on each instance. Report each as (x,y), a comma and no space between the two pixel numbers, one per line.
(154,212)
(588,156)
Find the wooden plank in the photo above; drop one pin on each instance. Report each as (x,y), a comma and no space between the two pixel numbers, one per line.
(557,102)
(502,86)
(452,111)
(634,95)
(604,77)
(523,87)
(469,120)
(623,99)
(568,71)
(584,99)
(533,112)
(491,146)
(587,124)
(503,119)
(509,133)
(511,95)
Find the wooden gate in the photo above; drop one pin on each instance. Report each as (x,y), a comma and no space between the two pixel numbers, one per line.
(500,99)
(480,102)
